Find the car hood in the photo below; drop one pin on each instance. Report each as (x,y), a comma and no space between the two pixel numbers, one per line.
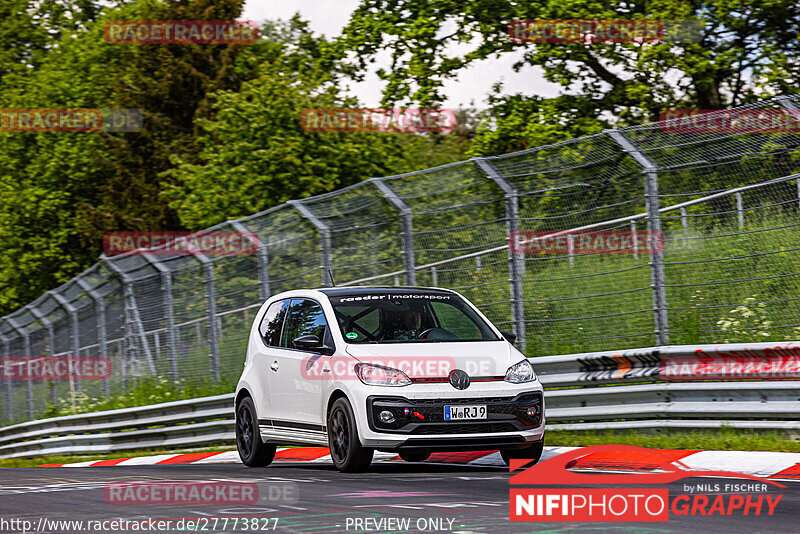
(428,360)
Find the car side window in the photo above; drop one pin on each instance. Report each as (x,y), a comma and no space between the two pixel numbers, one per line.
(270,327)
(304,317)
(455,321)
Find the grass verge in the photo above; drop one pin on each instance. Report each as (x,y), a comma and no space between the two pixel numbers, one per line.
(39,460)
(724,439)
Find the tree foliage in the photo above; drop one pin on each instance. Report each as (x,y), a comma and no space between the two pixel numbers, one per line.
(221,135)
(745,50)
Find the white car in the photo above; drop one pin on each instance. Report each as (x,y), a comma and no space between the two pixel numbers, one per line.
(406,370)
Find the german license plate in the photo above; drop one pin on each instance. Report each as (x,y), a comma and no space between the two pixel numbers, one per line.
(458,413)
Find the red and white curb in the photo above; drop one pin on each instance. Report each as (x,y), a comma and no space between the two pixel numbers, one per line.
(783,465)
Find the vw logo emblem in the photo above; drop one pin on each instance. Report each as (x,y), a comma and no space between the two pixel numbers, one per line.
(459,379)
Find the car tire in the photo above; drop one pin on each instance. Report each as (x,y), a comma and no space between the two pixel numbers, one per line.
(533,452)
(347,453)
(416,456)
(252,451)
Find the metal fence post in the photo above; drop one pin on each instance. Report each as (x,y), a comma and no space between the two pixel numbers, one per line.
(740,209)
(211,298)
(169,313)
(51,336)
(324,239)
(72,311)
(129,298)
(26,340)
(684,222)
(407,221)
(262,257)
(102,336)
(654,227)
(515,264)
(790,104)
(9,384)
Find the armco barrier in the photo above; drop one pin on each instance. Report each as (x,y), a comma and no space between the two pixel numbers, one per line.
(700,386)
(186,423)
(734,361)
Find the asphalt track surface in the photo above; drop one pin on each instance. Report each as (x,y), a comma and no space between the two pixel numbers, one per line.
(316,498)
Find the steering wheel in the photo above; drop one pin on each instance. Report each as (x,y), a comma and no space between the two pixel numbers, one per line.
(424,334)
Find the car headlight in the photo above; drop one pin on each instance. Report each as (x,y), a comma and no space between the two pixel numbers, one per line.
(377,375)
(520,372)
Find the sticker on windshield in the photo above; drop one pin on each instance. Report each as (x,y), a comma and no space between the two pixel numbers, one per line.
(358,298)
(351,335)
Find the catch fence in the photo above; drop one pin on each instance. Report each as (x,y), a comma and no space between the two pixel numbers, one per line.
(726,204)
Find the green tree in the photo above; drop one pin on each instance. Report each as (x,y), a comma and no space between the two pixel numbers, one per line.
(63,191)
(745,50)
(254,152)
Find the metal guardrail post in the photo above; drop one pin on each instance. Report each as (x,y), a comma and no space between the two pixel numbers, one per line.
(516,263)
(130,297)
(654,226)
(26,340)
(102,335)
(263,259)
(324,238)
(169,314)
(51,336)
(9,384)
(406,217)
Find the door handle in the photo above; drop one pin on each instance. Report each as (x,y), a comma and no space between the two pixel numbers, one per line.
(274,365)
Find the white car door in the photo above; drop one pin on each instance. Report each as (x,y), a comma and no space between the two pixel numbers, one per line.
(296,376)
(269,331)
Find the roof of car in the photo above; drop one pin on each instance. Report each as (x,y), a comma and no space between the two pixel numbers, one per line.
(381,290)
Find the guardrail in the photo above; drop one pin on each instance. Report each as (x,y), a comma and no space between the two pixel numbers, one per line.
(700,386)
(185,423)
(733,361)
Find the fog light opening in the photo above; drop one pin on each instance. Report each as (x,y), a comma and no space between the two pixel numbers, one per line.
(386,416)
(533,410)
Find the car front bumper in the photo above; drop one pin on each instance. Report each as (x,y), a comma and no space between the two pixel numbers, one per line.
(512,420)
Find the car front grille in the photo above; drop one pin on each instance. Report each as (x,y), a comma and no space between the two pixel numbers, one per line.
(426,416)
(462,428)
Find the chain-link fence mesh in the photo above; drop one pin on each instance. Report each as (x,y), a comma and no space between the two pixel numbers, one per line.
(726,204)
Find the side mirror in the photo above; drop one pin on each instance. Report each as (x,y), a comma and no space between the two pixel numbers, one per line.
(311,343)
(510,337)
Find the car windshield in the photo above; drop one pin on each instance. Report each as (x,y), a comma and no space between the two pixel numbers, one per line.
(408,318)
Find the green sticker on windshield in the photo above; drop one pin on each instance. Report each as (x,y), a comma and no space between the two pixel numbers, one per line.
(351,335)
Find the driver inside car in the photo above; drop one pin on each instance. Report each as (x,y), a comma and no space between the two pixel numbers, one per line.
(411,326)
